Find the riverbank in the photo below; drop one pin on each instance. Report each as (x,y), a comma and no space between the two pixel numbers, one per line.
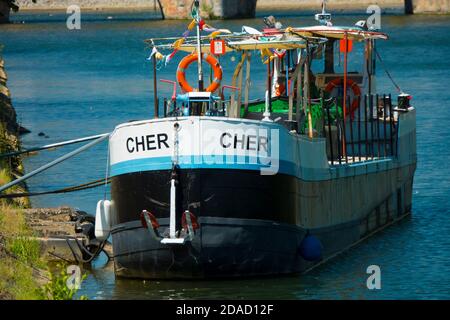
(26,234)
(21,268)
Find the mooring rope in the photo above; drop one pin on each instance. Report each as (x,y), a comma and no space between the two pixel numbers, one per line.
(84,186)
(387,72)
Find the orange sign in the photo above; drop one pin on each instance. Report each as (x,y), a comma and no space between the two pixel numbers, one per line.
(345,48)
(217,47)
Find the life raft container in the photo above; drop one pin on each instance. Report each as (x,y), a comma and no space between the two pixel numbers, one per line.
(184,64)
(350,84)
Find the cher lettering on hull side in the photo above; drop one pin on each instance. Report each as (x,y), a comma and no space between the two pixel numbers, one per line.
(147,143)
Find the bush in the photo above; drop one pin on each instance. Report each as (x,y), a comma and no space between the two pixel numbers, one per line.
(58,289)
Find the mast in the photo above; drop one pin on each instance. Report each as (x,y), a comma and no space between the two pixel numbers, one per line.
(199,46)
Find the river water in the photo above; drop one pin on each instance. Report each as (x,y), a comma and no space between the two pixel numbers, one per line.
(69,84)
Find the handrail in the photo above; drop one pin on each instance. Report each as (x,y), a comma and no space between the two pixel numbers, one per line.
(53,163)
(53,145)
(174,92)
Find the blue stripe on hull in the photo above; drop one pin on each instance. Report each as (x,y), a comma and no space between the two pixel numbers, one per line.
(198,162)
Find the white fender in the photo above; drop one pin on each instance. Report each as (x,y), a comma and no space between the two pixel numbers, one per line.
(103,219)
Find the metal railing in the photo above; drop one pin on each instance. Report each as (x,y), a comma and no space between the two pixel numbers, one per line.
(369,133)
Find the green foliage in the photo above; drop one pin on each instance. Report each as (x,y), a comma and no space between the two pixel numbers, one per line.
(58,289)
(17,280)
(208,11)
(334,110)
(316,117)
(25,249)
(19,257)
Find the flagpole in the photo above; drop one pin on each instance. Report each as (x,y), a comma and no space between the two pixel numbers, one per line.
(155,87)
(199,47)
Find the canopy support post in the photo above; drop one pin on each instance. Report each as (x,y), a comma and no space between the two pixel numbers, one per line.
(155,88)
(237,71)
(299,91)
(344,103)
(199,48)
(294,87)
(307,94)
(240,80)
(247,83)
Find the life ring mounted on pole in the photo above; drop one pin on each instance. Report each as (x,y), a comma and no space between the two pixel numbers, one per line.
(350,84)
(184,64)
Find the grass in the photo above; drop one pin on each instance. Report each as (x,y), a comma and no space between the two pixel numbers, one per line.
(24,275)
(20,262)
(21,275)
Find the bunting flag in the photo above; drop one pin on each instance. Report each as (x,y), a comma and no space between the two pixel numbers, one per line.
(154,51)
(178,43)
(267,56)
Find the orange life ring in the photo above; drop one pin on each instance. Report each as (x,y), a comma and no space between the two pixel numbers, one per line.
(350,84)
(184,64)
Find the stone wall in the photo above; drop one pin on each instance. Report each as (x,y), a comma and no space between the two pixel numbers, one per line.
(9,140)
(84,4)
(431,6)
(180,9)
(331,4)
(173,9)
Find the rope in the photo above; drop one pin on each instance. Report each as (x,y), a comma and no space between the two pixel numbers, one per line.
(85,186)
(387,72)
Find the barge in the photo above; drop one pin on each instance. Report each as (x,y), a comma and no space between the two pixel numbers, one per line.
(218,184)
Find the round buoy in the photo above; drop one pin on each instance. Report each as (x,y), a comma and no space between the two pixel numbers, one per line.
(184,64)
(311,248)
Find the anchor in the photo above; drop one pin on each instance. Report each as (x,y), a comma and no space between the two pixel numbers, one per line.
(188,220)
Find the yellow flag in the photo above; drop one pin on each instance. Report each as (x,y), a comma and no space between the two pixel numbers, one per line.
(266,53)
(217,32)
(177,44)
(192,25)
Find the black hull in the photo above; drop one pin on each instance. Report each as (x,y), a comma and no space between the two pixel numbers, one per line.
(241,194)
(248,223)
(223,247)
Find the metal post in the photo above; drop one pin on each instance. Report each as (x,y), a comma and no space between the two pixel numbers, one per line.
(366,131)
(307,88)
(391,125)
(199,48)
(352,142)
(384,126)
(345,74)
(269,86)
(345,93)
(330,134)
(338,136)
(359,129)
(377,97)
(371,126)
(165,107)
(155,88)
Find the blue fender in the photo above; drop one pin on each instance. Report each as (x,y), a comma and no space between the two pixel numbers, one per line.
(311,248)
